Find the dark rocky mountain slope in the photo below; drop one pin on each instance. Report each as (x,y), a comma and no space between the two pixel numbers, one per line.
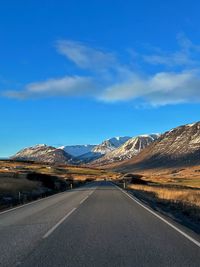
(177,147)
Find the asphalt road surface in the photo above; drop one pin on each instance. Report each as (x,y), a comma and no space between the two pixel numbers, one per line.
(95,225)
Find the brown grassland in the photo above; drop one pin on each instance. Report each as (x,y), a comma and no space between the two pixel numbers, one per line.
(184,196)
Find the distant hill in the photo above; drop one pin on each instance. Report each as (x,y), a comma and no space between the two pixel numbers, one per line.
(43,153)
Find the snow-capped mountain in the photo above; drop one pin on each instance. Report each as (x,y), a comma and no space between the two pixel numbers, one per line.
(129,149)
(65,154)
(77,150)
(104,148)
(110,144)
(177,147)
(91,152)
(43,153)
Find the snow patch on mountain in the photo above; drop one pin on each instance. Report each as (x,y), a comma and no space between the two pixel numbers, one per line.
(129,149)
(105,147)
(110,144)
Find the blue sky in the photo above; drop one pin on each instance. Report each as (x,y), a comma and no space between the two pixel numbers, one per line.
(78,72)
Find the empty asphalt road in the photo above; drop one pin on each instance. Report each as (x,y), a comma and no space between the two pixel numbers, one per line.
(96,225)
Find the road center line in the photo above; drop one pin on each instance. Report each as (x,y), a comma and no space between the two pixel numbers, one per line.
(58,223)
(161,218)
(84,199)
(64,218)
(91,192)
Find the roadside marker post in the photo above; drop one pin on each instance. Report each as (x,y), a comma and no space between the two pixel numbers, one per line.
(124,184)
(19,197)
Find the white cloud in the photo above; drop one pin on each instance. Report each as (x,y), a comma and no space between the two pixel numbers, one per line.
(66,86)
(160,89)
(112,81)
(84,56)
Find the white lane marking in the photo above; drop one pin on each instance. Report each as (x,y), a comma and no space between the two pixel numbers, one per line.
(161,218)
(58,223)
(83,199)
(65,217)
(91,192)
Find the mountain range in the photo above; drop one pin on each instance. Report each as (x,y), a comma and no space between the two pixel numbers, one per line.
(178,147)
(78,154)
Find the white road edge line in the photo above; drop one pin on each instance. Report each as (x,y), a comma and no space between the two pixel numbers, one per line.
(58,223)
(83,199)
(161,218)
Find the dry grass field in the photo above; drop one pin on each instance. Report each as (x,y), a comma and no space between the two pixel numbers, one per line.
(185,196)
(180,177)
(62,171)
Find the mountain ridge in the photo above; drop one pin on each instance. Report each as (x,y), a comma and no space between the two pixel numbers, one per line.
(179,146)
(129,149)
(43,153)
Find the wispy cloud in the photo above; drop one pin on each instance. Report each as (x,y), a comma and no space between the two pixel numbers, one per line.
(110,80)
(185,56)
(175,59)
(66,86)
(85,56)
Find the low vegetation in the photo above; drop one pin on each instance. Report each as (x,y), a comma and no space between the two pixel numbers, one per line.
(183,196)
